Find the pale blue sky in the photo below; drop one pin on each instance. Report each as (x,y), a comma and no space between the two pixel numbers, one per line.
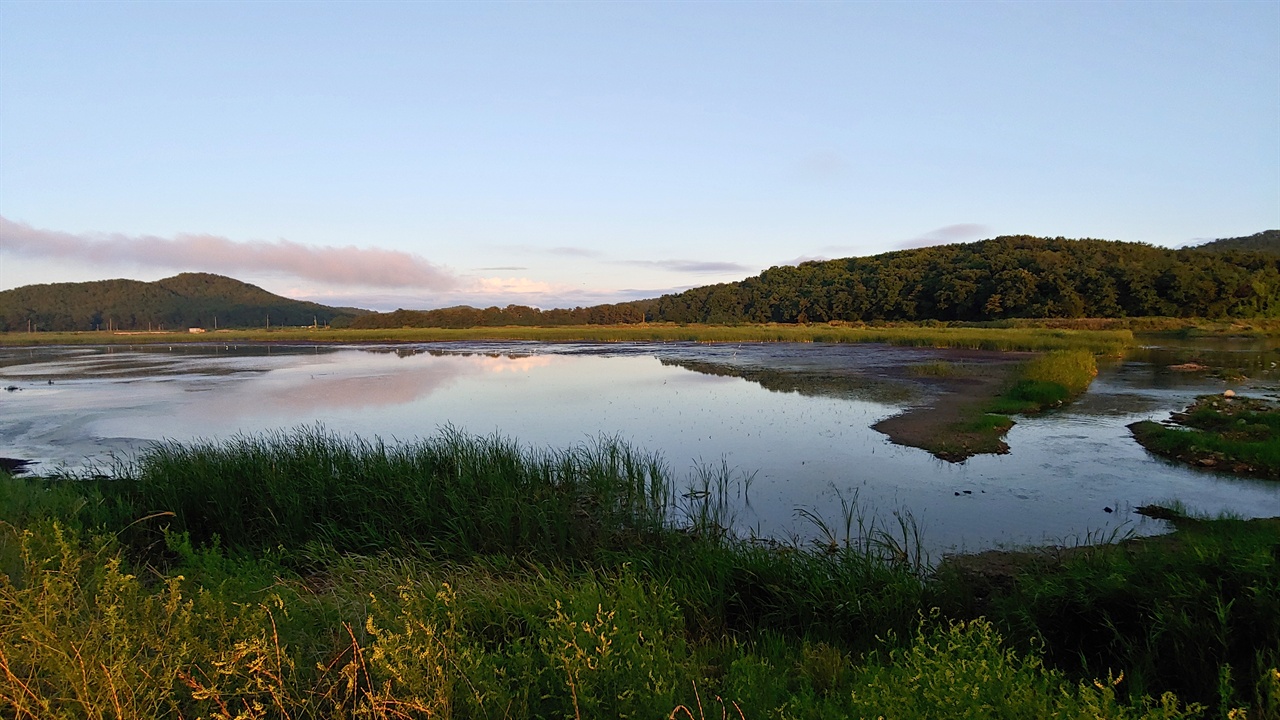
(574,153)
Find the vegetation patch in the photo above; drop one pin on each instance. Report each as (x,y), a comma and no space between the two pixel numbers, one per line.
(1230,434)
(974,417)
(123,598)
(1198,610)
(1048,381)
(1108,342)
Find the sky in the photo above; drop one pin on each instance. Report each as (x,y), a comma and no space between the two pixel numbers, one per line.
(423,155)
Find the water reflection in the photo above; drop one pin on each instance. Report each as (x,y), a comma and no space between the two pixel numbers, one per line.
(854,385)
(796,418)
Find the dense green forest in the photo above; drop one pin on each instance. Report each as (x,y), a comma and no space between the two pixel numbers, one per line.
(1005,277)
(179,302)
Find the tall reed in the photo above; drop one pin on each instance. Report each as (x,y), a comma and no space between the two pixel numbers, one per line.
(453,493)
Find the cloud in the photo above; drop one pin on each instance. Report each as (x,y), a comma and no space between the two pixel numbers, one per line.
(500,293)
(349,265)
(519,286)
(688,266)
(561,251)
(960,232)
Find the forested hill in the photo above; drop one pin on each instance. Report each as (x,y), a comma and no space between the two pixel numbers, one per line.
(1006,277)
(179,302)
(1267,241)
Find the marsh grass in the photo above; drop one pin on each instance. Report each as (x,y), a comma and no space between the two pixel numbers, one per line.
(1048,381)
(1108,342)
(1239,435)
(82,634)
(978,424)
(453,494)
(1197,612)
(580,588)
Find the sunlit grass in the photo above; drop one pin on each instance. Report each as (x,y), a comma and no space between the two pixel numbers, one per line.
(1047,381)
(1111,342)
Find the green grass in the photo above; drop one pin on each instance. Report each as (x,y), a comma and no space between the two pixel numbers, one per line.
(1110,342)
(1198,612)
(1238,435)
(452,494)
(1048,381)
(475,578)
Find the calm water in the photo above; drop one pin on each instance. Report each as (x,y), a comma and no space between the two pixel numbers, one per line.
(794,419)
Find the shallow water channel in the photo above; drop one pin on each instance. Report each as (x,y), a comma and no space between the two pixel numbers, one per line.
(791,420)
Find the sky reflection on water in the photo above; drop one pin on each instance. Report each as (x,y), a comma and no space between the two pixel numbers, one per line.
(800,450)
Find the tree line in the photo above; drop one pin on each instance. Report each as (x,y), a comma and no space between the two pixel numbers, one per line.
(1005,277)
(522,315)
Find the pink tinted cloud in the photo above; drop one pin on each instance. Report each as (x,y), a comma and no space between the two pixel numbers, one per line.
(349,265)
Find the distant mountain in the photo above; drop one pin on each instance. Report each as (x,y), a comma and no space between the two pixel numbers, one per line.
(176,303)
(1267,241)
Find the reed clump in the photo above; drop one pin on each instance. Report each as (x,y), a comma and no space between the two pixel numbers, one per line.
(452,494)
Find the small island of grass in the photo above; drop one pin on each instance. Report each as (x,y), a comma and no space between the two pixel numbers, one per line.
(972,416)
(1230,434)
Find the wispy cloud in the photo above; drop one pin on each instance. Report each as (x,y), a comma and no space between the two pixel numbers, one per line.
(688,266)
(961,232)
(349,265)
(493,291)
(560,250)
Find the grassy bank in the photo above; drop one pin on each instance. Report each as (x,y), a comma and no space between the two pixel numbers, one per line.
(1112,342)
(1239,435)
(977,423)
(299,575)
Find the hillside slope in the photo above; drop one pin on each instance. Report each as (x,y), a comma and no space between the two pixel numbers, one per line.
(182,301)
(1267,241)
(1005,277)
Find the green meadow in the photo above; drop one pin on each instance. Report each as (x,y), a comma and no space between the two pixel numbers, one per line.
(305,574)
